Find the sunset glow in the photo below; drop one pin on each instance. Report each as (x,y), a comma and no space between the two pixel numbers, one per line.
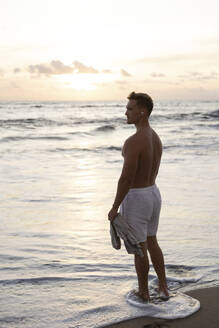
(58,50)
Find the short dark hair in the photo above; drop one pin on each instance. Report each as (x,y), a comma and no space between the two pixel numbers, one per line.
(142,100)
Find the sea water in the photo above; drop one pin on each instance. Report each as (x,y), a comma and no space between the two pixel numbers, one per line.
(59,167)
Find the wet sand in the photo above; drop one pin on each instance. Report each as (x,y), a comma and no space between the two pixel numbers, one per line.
(206,317)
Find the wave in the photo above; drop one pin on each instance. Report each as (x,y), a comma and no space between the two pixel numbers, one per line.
(71,150)
(50,138)
(214,114)
(12,257)
(105,128)
(37,280)
(95,150)
(16,268)
(107,148)
(214,126)
(69,122)
(13,319)
(189,145)
(83,275)
(197,115)
(31,235)
(33,122)
(18,138)
(112,148)
(180,268)
(113,120)
(106,124)
(103,105)
(36,106)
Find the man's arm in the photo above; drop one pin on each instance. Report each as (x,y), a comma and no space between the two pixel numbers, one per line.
(131,153)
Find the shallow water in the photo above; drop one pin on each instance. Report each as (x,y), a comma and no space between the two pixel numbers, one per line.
(60,163)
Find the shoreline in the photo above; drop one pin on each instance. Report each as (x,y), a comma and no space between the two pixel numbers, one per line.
(207,316)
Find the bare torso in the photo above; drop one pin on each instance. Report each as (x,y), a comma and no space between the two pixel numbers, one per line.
(149,148)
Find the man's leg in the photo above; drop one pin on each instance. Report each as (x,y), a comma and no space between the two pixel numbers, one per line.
(142,269)
(158,263)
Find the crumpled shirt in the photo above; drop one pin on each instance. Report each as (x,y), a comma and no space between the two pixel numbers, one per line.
(119,228)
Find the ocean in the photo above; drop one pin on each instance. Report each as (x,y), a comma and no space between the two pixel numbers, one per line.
(59,167)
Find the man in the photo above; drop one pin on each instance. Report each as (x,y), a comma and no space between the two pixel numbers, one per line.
(137,192)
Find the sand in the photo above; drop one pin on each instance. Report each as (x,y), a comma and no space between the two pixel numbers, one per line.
(206,317)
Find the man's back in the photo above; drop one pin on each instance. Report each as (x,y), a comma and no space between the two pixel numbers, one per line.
(149,148)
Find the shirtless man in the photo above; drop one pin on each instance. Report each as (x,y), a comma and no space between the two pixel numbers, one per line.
(137,192)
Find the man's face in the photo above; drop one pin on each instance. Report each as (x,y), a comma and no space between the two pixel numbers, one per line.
(133,113)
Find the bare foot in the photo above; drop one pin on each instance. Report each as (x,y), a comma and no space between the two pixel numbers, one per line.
(144,296)
(163,292)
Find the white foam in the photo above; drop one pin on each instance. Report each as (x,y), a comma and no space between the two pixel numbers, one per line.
(174,283)
(177,306)
(185,279)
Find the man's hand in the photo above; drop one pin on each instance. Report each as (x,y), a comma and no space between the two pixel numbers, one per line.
(112,214)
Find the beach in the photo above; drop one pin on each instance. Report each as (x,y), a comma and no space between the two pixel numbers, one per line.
(70,137)
(60,163)
(206,317)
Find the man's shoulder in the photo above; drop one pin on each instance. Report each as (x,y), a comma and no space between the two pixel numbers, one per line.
(156,137)
(131,144)
(131,140)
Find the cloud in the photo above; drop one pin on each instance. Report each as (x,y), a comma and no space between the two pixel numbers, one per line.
(124,73)
(53,68)
(107,71)
(157,74)
(56,67)
(17,70)
(60,68)
(81,68)
(164,59)
(196,90)
(121,82)
(41,69)
(197,76)
(173,59)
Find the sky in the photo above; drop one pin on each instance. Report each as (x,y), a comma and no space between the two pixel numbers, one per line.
(104,49)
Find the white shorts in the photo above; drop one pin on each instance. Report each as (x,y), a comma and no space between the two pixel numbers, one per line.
(141,208)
